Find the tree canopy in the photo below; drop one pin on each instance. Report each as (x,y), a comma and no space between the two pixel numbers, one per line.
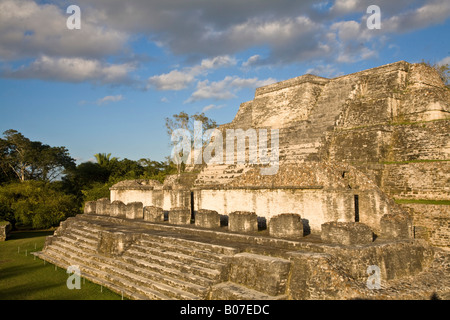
(185,121)
(22,159)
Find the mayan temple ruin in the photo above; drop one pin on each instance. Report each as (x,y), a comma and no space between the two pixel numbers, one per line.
(354,210)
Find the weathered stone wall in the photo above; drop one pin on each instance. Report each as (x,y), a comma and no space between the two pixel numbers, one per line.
(433,220)
(153,214)
(315,206)
(292,99)
(261,273)
(162,198)
(90,207)
(242,221)
(5,228)
(381,143)
(180,216)
(346,233)
(207,219)
(286,225)
(423,180)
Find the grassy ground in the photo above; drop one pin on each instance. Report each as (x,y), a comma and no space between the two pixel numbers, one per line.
(24,277)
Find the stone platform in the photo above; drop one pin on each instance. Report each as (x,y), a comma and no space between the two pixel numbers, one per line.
(146,260)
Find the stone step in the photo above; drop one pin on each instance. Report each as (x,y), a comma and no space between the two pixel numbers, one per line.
(153,250)
(87,272)
(234,291)
(100,273)
(191,251)
(182,287)
(155,284)
(176,240)
(168,272)
(89,236)
(79,241)
(120,277)
(64,245)
(78,246)
(168,263)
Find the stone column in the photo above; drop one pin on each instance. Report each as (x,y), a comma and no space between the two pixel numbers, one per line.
(180,216)
(207,219)
(118,209)
(153,214)
(90,207)
(396,226)
(286,225)
(242,221)
(5,228)
(134,210)
(346,233)
(103,207)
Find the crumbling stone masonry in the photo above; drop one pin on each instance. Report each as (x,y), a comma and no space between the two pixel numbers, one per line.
(207,219)
(242,221)
(286,225)
(153,214)
(5,229)
(346,233)
(349,149)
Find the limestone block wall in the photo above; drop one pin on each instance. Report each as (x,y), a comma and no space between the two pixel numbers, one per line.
(388,143)
(434,219)
(5,228)
(162,198)
(423,180)
(315,206)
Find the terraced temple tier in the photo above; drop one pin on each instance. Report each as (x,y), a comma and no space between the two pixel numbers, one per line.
(163,261)
(361,184)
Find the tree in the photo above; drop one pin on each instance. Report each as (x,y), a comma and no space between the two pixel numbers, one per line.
(442,69)
(36,204)
(32,160)
(185,121)
(105,160)
(444,73)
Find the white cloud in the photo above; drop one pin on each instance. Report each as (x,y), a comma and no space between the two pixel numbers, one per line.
(218,62)
(324,70)
(29,29)
(212,107)
(72,70)
(226,88)
(174,80)
(253,60)
(108,99)
(179,80)
(444,61)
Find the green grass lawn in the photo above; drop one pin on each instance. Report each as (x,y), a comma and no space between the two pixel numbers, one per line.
(24,277)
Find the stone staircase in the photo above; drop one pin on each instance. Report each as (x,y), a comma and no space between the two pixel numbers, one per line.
(156,266)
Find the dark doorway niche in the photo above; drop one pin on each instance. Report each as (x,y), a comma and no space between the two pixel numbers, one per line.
(192,206)
(356,199)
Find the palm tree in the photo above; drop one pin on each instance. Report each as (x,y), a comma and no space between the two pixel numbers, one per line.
(105,160)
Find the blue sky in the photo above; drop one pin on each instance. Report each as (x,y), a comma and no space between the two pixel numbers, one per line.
(108,86)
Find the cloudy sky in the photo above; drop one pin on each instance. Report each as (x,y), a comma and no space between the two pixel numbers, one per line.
(108,86)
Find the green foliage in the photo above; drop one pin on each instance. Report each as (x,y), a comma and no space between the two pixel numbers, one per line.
(36,204)
(91,181)
(30,195)
(105,160)
(23,159)
(96,191)
(185,121)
